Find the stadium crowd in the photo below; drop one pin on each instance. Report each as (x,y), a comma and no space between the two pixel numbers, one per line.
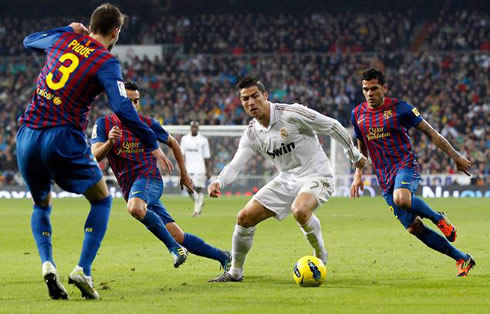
(313,59)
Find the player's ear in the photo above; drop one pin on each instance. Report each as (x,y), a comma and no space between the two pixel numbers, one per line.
(385,88)
(115,33)
(266,95)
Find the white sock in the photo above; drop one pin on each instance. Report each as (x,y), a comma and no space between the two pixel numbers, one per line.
(241,244)
(312,230)
(198,201)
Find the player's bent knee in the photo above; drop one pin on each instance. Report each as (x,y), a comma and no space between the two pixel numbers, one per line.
(137,212)
(302,214)
(97,192)
(402,202)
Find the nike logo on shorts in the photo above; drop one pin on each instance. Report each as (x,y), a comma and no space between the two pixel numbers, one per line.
(403,182)
(136,192)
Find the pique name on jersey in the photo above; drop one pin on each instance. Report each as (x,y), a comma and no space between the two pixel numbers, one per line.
(284,149)
(82,50)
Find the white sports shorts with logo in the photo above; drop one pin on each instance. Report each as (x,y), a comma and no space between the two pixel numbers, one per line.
(279,194)
(198,179)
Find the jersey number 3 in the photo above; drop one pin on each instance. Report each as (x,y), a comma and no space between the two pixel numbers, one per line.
(65,71)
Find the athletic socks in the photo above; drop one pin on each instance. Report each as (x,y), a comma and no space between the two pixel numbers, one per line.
(241,244)
(95,228)
(41,230)
(198,201)
(423,210)
(155,224)
(312,230)
(437,242)
(197,246)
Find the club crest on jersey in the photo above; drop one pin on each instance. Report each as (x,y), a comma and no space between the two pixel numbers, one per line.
(284,133)
(387,114)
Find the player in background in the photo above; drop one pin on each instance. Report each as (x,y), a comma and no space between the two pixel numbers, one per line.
(195,149)
(286,135)
(51,144)
(142,185)
(381,126)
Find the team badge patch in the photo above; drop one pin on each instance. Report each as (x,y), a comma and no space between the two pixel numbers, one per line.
(122,89)
(284,133)
(94,131)
(416,112)
(387,114)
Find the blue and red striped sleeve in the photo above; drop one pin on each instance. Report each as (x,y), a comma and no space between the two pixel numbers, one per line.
(41,41)
(357,131)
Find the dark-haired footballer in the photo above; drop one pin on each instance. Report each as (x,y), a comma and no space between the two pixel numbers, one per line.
(140,180)
(51,144)
(381,126)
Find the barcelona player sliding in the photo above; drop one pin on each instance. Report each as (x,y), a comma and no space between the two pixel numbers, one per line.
(51,144)
(381,126)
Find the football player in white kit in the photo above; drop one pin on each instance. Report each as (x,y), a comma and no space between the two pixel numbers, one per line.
(195,149)
(286,135)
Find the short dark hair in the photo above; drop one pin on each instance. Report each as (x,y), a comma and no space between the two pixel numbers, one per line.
(105,18)
(131,85)
(371,74)
(249,81)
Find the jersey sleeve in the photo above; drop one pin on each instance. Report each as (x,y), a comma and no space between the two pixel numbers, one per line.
(243,154)
(409,115)
(110,77)
(160,132)
(205,149)
(357,131)
(321,124)
(41,41)
(98,132)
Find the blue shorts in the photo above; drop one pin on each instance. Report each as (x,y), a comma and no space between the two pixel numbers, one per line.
(61,154)
(150,190)
(407,178)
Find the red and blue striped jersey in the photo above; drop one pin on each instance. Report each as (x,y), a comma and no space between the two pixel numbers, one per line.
(384,131)
(76,70)
(127,158)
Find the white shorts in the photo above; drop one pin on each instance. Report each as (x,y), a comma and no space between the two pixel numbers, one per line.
(279,194)
(198,179)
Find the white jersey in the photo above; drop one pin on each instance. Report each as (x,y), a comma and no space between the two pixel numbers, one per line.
(195,149)
(291,143)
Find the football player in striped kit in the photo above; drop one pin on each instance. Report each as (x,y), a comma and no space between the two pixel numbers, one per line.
(381,126)
(51,144)
(286,135)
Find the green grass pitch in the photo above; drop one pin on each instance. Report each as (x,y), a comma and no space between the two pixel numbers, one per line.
(374,265)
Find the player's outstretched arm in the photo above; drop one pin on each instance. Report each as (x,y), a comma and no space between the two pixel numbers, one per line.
(442,143)
(185,180)
(41,41)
